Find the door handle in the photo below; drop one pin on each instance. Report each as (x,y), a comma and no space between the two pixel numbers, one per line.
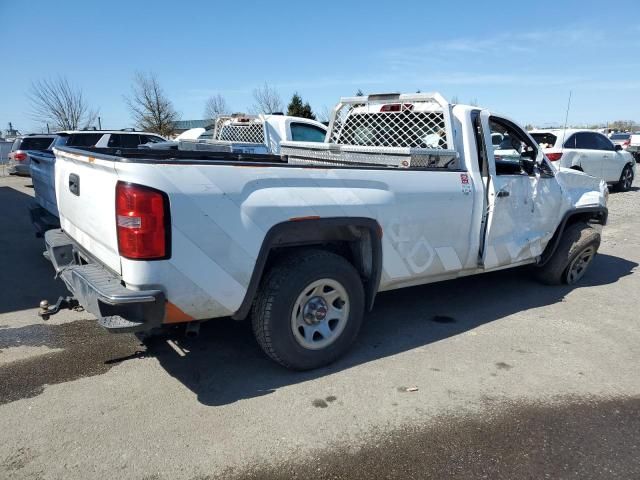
(74,184)
(503,193)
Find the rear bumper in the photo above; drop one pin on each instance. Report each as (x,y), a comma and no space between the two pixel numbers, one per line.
(19,169)
(100,292)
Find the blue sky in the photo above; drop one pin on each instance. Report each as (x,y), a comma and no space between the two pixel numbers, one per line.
(519,58)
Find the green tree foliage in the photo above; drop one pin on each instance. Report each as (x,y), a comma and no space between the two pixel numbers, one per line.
(297,108)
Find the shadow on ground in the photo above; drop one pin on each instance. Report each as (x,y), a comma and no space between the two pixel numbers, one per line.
(27,276)
(224,364)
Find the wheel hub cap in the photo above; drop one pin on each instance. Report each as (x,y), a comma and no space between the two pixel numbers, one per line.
(315,310)
(320,314)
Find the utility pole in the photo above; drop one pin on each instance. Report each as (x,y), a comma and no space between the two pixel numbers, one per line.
(99,124)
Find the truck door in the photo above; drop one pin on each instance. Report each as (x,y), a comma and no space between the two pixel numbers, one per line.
(523,205)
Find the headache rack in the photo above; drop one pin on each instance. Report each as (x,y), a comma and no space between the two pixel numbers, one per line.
(392,130)
(239,128)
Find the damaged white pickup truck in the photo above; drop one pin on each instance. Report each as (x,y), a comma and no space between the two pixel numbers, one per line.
(405,190)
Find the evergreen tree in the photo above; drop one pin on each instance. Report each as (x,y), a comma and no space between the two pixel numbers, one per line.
(359,93)
(298,109)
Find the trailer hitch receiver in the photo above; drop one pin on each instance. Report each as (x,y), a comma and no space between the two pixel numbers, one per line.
(46,311)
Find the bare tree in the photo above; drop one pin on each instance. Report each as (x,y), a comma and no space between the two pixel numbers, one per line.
(216,105)
(150,108)
(267,100)
(60,105)
(324,115)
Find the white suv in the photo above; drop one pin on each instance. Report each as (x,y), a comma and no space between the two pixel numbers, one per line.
(590,152)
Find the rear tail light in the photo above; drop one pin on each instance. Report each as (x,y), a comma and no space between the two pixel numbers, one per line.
(19,156)
(626,143)
(142,219)
(554,157)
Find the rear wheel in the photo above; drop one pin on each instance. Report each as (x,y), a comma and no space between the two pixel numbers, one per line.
(309,310)
(626,179)
(576,250)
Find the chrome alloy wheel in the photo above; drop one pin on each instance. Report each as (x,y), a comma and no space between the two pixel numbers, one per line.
(580,264)
(320,314)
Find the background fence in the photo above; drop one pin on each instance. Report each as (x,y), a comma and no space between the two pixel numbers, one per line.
(5,148)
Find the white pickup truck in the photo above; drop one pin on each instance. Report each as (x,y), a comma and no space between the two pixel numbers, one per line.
(405,190)
(253,134)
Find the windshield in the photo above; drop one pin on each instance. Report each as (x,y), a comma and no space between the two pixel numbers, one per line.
(35,143)
(545,140)
(620,136)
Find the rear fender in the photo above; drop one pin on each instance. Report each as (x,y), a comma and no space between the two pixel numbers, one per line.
(363,235)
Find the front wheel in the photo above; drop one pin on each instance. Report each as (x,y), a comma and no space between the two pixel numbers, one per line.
(626,179)
(576,250)
(309,309)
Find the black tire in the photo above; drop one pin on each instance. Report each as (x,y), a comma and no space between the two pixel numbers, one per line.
(279,291)
(577,239)
(626,179)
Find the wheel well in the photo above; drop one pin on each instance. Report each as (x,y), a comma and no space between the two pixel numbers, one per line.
(578,168)
(586,215)
(358,240)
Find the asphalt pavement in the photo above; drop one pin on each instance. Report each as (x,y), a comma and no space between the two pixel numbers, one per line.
(492,376)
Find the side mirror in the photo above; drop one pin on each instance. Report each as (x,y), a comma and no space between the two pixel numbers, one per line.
(617,148)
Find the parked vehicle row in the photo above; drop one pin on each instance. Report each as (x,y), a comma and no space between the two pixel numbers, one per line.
(44,211)
(237,133)
(404,190)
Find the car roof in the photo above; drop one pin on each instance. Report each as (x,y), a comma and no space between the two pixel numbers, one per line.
(562,132)
(37,135)
(124,132)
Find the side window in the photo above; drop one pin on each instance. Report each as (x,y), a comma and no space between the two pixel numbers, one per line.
(516,153)
(586,141)
(603,142)
(150,139)
(571,142)
(301,132)
(122,140)
(84,139)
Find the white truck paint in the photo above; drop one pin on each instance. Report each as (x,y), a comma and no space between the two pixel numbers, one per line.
(444,210)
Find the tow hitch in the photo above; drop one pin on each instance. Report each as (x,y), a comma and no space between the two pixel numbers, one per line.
(46,311)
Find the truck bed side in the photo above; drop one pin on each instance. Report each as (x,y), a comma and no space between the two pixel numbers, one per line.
(221,213)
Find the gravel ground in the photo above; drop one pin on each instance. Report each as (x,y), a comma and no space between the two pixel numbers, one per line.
(493,376)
